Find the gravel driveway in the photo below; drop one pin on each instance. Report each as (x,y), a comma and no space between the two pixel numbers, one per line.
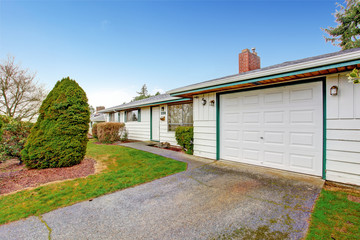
(211,200)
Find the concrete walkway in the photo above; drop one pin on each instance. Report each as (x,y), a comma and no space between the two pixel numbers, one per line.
(211,200)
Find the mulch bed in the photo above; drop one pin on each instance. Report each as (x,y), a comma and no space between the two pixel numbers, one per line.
(116,143)
(14,177)
(171,148)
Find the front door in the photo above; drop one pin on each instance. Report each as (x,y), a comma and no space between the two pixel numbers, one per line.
(155,124)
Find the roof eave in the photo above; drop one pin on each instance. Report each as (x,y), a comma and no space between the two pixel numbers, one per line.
(347,57)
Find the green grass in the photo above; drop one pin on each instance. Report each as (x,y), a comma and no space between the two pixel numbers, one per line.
(123,168)
(335,216)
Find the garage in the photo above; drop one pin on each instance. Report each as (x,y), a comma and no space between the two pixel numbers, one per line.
(278,127)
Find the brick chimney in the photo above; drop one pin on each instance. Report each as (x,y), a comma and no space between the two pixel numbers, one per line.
(248,60)
(99,108)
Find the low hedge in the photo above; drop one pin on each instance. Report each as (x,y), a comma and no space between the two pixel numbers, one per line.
(14,134)
(109,132)
(185,138)
(94,130)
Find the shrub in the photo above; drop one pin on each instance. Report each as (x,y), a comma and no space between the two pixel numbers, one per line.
(14,135)
(94,130)
(109,132)
(123,134)
(185,137)
(59,137)
(1,131)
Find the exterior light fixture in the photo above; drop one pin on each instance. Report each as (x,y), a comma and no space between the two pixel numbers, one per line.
(162,108)
(212,102)
(334,90)
(203,101)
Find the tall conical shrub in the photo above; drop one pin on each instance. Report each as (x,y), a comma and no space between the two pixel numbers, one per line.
(59,137)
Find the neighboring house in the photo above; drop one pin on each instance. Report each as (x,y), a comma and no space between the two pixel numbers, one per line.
(302,116)
(153,118)
(97,117)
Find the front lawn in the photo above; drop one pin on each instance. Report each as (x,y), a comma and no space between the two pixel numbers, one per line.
(336,215)
(121,168)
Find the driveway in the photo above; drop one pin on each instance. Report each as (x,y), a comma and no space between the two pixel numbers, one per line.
(211,200)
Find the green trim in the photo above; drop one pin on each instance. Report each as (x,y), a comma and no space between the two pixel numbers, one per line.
(169,101)
(151,123)
(270,77)
(217,126)
(324,130)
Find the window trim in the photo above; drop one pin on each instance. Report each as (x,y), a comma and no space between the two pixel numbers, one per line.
(133,110)
(182,117)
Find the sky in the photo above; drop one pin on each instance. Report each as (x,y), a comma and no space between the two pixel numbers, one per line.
(112,48)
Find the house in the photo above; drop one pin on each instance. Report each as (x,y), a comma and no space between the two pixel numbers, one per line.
(153,118)
(301,116)
(97,117)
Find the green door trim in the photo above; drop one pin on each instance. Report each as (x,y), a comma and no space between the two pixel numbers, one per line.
(321,79)
(151,123)
(324,129)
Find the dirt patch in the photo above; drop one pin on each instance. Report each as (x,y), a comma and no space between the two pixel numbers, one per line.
(354,198)
(333,186)
(15,177)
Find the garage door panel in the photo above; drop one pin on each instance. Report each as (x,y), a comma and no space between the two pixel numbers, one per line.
(271,137)
(251,100)
(302,117)
(302,139)
(231,134)
(251,136)
(302,161)
(273,157)
(251,155)
(274,98)
(277,127)
(274,117)
(251,117)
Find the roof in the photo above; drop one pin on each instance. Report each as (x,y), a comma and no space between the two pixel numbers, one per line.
(155,100)
(301,64)
(98,118)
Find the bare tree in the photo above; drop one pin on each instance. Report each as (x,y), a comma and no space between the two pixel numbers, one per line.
(20,95)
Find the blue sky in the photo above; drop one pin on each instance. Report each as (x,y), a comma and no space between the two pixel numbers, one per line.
(111,48)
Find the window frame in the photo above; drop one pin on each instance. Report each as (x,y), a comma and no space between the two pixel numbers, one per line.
(169,125)
(138,115)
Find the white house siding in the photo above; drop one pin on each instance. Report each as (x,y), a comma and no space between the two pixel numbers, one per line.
(140,130)
(165,135)
(205,126)
(343,131)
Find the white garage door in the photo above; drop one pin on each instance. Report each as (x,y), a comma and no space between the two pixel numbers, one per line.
(280,127)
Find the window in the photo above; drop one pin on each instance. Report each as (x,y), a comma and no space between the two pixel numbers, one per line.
(180,115)
(119,117)
(133,116)
(111,117)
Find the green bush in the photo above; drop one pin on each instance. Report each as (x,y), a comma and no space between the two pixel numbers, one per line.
(94,130)
(109,132)
(185,137)
(59,137)
(14,135)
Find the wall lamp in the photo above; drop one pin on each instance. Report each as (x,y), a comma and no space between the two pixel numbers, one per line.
(203,101)
(212,103)
(334,90)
